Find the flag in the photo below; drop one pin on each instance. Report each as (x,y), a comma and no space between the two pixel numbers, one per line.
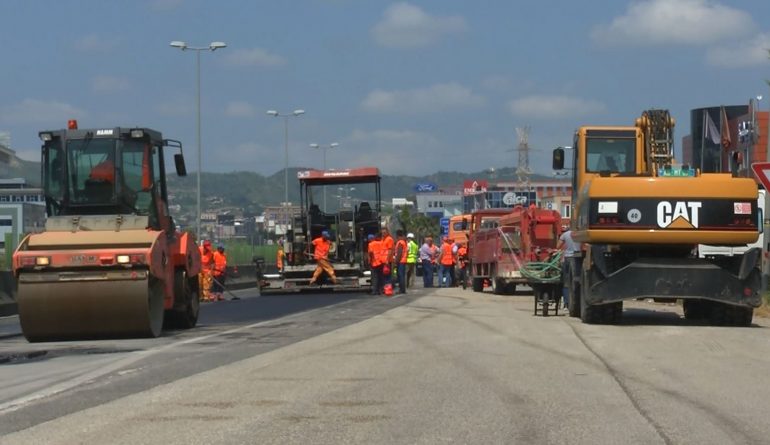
(711,129)
(725,130)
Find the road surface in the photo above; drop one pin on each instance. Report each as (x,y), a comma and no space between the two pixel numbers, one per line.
(434,366)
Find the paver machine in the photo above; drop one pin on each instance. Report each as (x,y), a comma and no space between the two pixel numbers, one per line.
(110,262)
(641,218)
(349,227)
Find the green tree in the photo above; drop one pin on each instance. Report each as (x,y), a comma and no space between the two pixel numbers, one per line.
(417,223)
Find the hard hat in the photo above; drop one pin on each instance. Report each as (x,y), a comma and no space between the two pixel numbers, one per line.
(410,235)
(207,243)
(325,233)
(370,237)
(221,247)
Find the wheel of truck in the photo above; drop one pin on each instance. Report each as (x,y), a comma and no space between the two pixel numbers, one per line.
(510,289)
(573,305)
(498,285)
(721,314)
(694,309)
(477,284)
(184,315)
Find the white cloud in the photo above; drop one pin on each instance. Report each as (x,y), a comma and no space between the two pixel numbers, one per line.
(407,26)
(108,84)
(742,54)
(553,107)
(239,109)
(94,43)
(395,151)
(435,98)
(36,111)
(253,57)
(688,22)
(179,106)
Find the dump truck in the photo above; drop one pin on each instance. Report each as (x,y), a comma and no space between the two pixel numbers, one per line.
(641,218)
(110,262)
(349,227)
(502,241)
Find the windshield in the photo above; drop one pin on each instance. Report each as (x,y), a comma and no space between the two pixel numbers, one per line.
(614,155)
(91,171)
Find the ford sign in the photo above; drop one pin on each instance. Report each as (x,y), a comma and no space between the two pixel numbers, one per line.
(425,187)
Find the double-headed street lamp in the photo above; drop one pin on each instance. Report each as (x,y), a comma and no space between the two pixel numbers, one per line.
(324,148)
(213,46)
(295,113)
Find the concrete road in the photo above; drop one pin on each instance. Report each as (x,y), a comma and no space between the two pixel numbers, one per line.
(438,366)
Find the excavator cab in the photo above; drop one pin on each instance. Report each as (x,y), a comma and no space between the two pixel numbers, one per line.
(116,171)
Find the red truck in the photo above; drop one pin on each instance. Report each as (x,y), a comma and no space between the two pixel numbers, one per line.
(502,240)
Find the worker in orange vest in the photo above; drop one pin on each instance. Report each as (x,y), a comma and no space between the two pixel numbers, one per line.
(462,264)
(399,258)
(207,266)
(219,274)
(280,256)
(375,262)
(321,246)
(446,262)
(387,250)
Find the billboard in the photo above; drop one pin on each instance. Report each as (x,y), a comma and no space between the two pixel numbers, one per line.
(425,187)
(471,187)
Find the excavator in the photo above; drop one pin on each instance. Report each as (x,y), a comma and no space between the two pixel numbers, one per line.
(110,262)
(641,218)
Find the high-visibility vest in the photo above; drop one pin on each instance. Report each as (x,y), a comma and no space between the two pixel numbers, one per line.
(412,252)
(447,258)
(279,258)
(401,244)
(220,263)
(462,255)
(374,253)
(207,259)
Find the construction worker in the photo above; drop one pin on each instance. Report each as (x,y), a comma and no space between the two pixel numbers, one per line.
(207,266)
(427,258)
(462,265)
(411,259)
(387,249)
(219,274)
(399,259)
(446,262)
(105,170)
(375,262)
(280,256)
(321,246)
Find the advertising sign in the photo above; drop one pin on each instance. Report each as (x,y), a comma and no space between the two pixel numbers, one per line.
(471,187)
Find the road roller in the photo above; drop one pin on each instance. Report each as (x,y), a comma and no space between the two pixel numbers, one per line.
(110,262)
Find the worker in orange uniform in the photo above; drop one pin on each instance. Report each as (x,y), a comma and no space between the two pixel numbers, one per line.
(321,246)
(219,274)
(399,258)
(207,267)
(387,250)
(446,262)
(375,262)
(105,170)
(462,264)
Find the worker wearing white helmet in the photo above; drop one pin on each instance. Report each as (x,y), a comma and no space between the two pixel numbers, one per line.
(412,249)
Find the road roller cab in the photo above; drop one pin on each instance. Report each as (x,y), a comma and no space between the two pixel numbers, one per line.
(110,262)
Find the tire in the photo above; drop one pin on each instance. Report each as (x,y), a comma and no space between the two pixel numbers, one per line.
(610,313)
(695,309)
(187,302)
(510,289)
(721,314)
(574,299)
(477,284)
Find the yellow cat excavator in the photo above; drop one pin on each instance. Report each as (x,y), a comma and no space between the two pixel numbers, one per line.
(641,219)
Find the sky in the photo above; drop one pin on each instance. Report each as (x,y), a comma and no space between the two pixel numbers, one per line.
(411,87)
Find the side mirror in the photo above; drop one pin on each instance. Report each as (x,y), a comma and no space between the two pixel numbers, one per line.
(558,158)
(181,169)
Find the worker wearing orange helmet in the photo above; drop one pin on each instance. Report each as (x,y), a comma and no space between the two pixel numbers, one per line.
(321,246)
(207,267)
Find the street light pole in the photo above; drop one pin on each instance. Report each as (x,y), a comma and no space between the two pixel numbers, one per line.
(295,113)
(324,148)
(213,46)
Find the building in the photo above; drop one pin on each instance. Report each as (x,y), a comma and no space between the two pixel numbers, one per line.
(440,204)
(22,210)
(705,150)
(279,218)
(510,194)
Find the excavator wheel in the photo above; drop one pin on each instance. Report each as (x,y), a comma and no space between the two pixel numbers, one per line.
(695,309)
(184,315)
(67,310)
(721,314)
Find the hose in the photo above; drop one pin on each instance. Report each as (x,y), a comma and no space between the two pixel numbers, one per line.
(543,272)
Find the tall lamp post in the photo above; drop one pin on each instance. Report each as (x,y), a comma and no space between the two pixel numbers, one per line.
(213,46)
(286,116)
(325,148)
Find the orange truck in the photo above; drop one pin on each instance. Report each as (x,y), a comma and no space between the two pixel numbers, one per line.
(459,228)
(110,262)
(503,240)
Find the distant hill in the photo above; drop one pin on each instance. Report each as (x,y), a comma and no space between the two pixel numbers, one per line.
(252,192)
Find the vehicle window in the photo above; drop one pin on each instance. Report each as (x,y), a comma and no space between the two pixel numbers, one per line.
(612,155)
(91,171)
